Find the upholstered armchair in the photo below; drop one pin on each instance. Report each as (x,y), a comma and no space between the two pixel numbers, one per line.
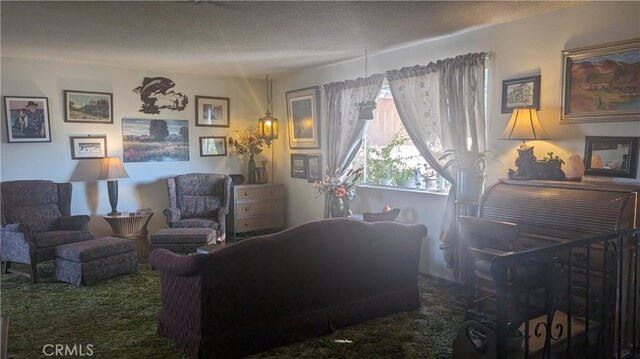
(199,200)
(36,217)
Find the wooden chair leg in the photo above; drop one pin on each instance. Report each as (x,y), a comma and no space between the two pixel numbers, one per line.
(34,273)
(7,266)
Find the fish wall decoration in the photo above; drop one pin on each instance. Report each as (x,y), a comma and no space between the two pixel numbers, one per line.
(155,95)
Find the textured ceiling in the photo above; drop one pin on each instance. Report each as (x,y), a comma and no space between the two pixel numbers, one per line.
(238,38)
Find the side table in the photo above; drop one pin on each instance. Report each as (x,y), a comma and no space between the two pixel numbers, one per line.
(132,226)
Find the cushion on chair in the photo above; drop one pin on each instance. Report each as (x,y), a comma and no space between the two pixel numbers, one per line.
(56,238)
(99,248)
(199,194)
(195,223)
(29,193)
(38,218)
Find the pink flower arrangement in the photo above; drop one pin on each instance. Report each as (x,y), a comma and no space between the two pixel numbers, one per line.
(339,186)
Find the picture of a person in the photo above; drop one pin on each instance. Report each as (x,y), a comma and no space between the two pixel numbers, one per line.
(34,121)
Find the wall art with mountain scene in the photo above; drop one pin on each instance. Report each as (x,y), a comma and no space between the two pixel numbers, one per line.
(602,83)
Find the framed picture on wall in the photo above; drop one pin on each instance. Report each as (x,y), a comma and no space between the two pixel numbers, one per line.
(298,165)
(213,146)
(88,147)
(90,107)
(303,115)
(521,92)
(611,156)
(155,140)
(601,83)
(212,111)
(314,167)
(27,119)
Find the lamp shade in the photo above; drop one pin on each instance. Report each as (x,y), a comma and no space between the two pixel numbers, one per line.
(524,125)
(112,169)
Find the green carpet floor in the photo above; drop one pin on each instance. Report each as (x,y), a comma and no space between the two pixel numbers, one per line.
(118,317)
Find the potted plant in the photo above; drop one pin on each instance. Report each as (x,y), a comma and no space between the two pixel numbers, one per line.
(365,110)
(470,167)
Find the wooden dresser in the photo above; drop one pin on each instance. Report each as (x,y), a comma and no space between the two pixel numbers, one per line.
(255,208)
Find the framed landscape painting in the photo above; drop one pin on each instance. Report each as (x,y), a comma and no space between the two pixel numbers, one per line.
(151,140)
(521,92)
(212,111)
(27,119)
(304,118)
(88,147)
(85,106)
(602,83)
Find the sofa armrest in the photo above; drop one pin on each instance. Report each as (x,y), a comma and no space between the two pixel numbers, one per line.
(170,263)
(16,243)
(222,220)
(74,223)
(172,214)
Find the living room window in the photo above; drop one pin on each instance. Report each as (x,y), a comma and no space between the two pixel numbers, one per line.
(389,157)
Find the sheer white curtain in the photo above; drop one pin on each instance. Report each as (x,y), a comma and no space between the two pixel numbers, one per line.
(345,131)
(442,107)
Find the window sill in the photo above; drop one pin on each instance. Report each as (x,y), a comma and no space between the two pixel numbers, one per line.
(400,189)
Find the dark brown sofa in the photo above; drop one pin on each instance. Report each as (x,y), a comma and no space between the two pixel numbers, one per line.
(275,289)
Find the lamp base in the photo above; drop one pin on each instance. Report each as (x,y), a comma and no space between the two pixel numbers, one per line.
(112,190)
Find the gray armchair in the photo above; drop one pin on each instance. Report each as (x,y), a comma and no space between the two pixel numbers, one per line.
(36,217)
(199,200)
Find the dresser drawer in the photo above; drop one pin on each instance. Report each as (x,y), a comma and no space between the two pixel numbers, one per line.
(250,209)
(252,224)
(261,192)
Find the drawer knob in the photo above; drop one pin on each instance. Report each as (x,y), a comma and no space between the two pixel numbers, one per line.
(246,223)
(246,209)
(246,194)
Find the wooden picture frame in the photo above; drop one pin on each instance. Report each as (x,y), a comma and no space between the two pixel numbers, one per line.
(298,165)
(611,156)
(213,111)
(522,92)
(154,140)
(88,107)
(88,147)
(303,117)
(598,83)
(314,167)
(213,146)
(27,119)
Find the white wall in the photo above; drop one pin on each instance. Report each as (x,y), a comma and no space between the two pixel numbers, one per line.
(521,48)
(146,186)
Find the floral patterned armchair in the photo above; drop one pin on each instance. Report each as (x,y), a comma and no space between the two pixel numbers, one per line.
(36,217)
(199,200)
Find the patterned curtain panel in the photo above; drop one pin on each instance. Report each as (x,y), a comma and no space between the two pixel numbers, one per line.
(442,107)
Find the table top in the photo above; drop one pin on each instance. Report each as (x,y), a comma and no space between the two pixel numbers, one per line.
(128,215)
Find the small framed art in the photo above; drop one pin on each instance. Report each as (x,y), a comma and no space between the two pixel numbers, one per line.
(298,165)
(212,111)
(521,92)
(88,147)
(211,146)
(611,156)
(303,114)
(27,119)
(314,167)
(90,107)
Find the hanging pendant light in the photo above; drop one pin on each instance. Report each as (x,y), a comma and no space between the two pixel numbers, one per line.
(365,108)
(268,125)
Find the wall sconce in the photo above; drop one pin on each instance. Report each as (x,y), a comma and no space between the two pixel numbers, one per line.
(111,170)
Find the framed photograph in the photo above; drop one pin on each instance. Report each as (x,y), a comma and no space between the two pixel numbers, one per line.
(88,147)
(314,167)
(212,111)
(298,165)
(85,106)
(155,140)
(611,156)
(521,92)
(213,146)
(303,115)
(601,83)
(27,119)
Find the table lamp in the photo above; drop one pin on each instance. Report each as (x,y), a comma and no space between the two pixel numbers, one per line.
(524,125)
(111,170)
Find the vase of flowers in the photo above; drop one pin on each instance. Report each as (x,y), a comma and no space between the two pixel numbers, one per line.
(248,141)
(340,189)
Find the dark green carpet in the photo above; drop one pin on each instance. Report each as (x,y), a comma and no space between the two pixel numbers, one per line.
(118,317)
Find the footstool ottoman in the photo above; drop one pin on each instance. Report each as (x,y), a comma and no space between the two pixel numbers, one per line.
(91,261)
(183,240)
